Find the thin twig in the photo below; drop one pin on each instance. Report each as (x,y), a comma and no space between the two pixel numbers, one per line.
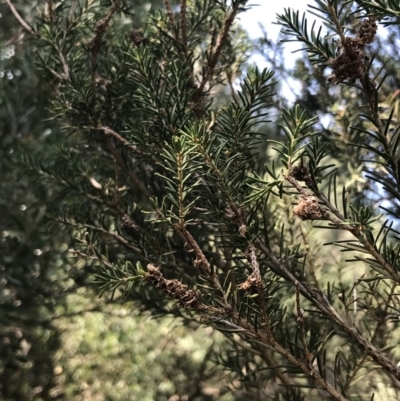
(300,321)
(339,221)
(271,343)
(170,13)
(84,255)
(256,280)
(21,21)
(117,237)
(219,46)
(55,73)
(95,44)
(64,65)
(134,178)
(377,330)
(324,306)
(202,262)
(230,83)
(50,11)
(110,131)
(28,28)
(336,21)
(184,26)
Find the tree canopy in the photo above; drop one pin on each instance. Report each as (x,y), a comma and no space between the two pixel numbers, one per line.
(155,159)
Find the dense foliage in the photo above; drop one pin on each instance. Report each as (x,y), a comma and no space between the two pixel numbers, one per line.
(54,331)
(179,195)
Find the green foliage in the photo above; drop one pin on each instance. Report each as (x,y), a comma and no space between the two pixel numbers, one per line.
(382,8)
(46,297)
(319,50)
(168,201)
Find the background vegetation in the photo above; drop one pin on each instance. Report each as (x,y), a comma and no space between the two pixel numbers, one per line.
(138,160)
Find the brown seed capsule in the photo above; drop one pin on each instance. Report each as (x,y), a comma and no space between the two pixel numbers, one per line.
(308,208)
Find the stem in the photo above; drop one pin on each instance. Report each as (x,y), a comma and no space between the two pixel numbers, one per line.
(220,44)
(249,330)
(109,131)
(258,283)
(201,261)
(300,321)
(20,20)
(50,11)
(170,14)
(336,21)
(339,221)
(184,26)
(134,178)
(323,305)
(117,237)
(95,44)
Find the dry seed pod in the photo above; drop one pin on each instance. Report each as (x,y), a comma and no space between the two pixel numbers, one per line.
(308,208)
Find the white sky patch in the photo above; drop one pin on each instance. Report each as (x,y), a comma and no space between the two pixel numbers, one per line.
(264,12)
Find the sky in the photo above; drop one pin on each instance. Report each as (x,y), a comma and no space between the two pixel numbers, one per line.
(264,12)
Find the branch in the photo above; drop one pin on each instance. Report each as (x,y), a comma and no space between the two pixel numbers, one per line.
(109,131)
(50,13)
(220,44)
(336,21)
(255,280)
(339,221)
(117,237)
(201,261)
(320,301)
(170,14)
(134,178)
(64,65)
(318,298)
(84,255)
(270,342)
(95,44)
(184,26)
(300,320)
(21,21)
